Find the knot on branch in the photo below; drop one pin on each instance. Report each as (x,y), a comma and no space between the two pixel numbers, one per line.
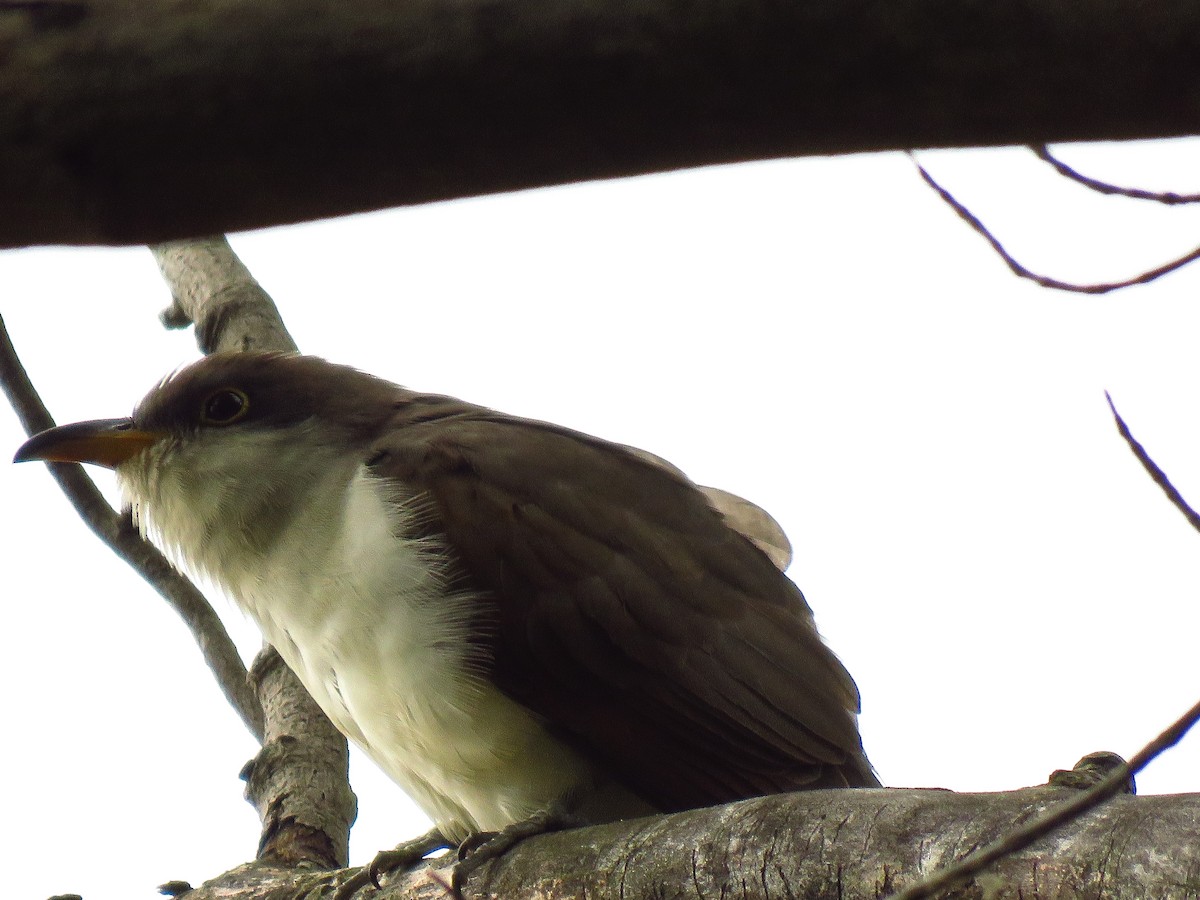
(1090,771)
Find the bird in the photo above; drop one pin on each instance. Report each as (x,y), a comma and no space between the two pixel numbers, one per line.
(506,615)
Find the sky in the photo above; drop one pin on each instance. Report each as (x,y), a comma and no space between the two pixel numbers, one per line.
(821,336)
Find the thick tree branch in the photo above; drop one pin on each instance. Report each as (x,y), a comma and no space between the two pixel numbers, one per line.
(131,122)
(818,845)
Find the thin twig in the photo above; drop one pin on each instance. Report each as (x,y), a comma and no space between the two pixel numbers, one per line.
(1170,198)
(117,532)
(1053,818)
(1019,270)
(1159,476)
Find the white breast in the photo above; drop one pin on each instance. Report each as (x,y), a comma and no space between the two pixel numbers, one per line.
(378,641)
(364,617)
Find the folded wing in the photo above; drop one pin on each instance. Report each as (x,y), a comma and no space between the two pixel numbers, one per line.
(647,633)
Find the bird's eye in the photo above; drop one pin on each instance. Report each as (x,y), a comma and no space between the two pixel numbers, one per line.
(224,407)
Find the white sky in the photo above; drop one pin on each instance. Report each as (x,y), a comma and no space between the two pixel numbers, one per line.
(821,336)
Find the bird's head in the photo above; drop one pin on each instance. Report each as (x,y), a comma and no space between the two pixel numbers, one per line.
(226,398)
(230,440)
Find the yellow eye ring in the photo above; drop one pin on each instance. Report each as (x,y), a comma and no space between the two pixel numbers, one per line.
(224,407)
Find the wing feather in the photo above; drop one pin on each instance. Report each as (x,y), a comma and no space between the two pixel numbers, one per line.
(645,631)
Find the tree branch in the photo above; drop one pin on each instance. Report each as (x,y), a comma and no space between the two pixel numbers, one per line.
(244,113)
(212,289)
(299,781)
(819,845)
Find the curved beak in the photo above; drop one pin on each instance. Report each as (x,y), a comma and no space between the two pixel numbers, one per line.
(103,442)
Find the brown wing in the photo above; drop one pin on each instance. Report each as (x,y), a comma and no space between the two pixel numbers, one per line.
(658,641)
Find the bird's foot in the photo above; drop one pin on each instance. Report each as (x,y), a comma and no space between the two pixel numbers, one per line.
(402,857)
(485,846)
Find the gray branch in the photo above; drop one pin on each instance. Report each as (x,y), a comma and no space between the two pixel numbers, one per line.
(299,781)
(133,122)
(212,289)
(819,845)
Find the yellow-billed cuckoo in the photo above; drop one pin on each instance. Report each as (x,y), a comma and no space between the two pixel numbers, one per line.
(504,614)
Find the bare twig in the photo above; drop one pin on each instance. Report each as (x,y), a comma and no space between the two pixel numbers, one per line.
(1159,476)
(1019,270)
(1052,819)
(117,532)
(1170,198)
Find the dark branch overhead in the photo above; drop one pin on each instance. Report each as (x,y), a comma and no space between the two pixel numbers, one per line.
(128,121)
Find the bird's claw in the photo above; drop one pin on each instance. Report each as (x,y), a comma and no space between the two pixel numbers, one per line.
(473,853)
(485,846)
(474,842)
(403,856)
(352,885)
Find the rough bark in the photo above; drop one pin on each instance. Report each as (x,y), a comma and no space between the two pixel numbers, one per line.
(130,122)
(818,845)
(212,289)
(299,780)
